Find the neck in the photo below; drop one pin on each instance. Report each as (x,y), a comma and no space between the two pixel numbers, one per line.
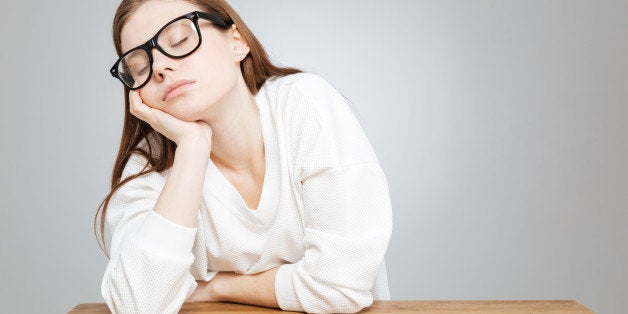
(237,141)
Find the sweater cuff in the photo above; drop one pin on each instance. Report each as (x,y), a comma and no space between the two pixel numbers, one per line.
(162,235)
(284,289)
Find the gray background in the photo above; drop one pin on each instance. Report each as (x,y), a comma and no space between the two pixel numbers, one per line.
(501,126)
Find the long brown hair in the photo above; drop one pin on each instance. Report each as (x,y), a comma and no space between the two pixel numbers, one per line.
(256,68)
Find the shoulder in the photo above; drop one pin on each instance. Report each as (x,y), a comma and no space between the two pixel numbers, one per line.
(319,123)
(304,84)
(307,96)
(303,79)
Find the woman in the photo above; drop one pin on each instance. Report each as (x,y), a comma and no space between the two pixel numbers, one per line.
(236,180)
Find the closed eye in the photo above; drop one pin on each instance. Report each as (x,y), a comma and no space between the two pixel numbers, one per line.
(179,43)
(143,70)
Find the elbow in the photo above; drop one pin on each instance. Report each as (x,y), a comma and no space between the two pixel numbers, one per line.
(297,290)
(123,295)
(132,302)
(342,300)
(349,301)
(325,297)
(135,280)
(114,299)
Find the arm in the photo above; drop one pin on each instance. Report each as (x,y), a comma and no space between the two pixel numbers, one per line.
(346,210)
(258,289)
(153,227)
(180,198)
(145,243)
(346,235)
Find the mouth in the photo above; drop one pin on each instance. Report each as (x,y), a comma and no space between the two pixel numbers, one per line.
(170,89)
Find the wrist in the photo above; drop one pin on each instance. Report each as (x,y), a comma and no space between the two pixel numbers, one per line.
(216,290)
(194,145)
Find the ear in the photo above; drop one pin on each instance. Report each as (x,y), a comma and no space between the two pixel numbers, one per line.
(240,46)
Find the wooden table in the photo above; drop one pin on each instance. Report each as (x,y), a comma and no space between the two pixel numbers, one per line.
(523,306)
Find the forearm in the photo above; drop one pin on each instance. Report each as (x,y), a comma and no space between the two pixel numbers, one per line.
(180,197)
(258,289)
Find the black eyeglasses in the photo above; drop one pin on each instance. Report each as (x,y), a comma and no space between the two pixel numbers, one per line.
(177,39)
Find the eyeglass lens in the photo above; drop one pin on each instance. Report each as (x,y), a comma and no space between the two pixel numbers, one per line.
(177,39)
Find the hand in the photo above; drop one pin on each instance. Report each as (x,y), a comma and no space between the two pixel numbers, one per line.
(174,129)
(257,289)
(202,293)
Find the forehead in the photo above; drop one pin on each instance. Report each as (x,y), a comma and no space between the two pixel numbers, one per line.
(143,23)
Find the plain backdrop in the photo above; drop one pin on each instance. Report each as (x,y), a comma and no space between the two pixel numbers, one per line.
(501,127)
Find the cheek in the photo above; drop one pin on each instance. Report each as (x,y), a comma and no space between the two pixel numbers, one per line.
(218,60)
(221,77)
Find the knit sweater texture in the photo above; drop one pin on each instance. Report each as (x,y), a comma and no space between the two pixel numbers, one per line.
(324,216)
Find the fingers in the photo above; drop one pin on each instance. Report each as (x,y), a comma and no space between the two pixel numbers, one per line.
(206,129)
(171,127)
(160,121)
(138,108)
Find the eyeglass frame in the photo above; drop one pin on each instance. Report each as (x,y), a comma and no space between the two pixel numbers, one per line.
(152,43)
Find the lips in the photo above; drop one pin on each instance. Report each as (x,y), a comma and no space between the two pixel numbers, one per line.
(175,85)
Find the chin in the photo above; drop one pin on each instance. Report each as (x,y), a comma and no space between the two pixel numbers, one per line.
(186,109)
(188,116)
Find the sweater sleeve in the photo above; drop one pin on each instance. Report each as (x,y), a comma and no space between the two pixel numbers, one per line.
(346,209)
(150,256)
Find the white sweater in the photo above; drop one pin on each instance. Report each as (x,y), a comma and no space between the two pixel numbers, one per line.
(324,217)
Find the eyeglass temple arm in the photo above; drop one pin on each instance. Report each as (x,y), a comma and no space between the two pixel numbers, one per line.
(214,18)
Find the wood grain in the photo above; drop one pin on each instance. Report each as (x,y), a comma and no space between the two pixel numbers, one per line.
(473,307)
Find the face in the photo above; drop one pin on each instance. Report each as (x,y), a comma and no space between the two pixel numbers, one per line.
(188,87)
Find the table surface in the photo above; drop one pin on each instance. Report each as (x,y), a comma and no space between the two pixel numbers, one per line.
(496,306)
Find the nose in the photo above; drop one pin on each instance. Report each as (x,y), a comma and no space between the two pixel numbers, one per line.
(162,65)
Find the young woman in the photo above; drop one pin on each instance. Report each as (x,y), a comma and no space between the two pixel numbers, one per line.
(236,180)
